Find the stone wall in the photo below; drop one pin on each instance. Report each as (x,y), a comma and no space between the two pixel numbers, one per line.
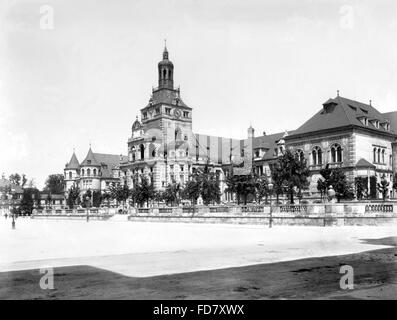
(336,214)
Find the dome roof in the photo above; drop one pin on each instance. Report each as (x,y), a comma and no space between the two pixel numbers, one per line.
(166,62)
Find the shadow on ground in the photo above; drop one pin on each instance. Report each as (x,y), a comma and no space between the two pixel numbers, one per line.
(375,277)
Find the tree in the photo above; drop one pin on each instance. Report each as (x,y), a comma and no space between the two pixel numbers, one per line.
(171,193)
(73,196)
(55,184)
(119,193)
(337,179)
(278,183)
(96,198)
(262,188)
(243,186)
(361,187)
(192,190)
(322,187)
(143,191)
(292,173)
(15,179)
(87,198)
(210,191)
(28,198)
(383,187)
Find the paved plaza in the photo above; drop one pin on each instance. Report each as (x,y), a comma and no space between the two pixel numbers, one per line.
(133,250)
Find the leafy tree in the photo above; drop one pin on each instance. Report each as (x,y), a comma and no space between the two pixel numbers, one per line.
(210,191)
(119,193)
(158,196)
(73,196)
(262,188)
(55,184)
(243,186)
(337,179)
(28,198)
(171,193)
(361,187)
(292,172)
(394,186)
(87,198)
(278,183)
(192,190)
(383,187)
(15,179)
(143,191)
(97,198)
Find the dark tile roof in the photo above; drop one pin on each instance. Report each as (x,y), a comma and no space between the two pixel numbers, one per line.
(269,143)
(167,96)
(392,117)
(73,163)
(90,159)
(341,112)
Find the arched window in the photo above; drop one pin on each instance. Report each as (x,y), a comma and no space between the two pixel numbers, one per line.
(70,175)
(300,154)
(94,172)
(187,152)
(317,156)
(88,172)
(336,153)
(383,156)
(378,155)
(82,172)
(374,155)
(164,73)
(142,151)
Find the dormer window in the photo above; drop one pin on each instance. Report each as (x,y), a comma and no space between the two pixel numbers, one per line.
(158,110)
(88,161)
(185,114)
(363,120)
(168,111)
(145,115)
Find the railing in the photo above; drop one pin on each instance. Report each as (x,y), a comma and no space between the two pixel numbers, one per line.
(252,209)
(189,210)
(218,209)
(165,210)
(143,210)
(293,208)
(379,208)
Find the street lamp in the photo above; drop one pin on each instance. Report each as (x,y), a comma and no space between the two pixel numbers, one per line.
(270,186)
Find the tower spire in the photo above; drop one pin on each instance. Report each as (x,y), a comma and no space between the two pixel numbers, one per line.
(166,70)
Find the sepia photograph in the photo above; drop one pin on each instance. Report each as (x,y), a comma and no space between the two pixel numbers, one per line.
(198,154)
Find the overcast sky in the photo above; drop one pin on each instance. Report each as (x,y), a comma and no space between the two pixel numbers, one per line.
(269,63)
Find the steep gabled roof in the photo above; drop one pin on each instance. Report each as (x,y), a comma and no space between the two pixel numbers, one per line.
(342,112)
(73,163)
(90,160)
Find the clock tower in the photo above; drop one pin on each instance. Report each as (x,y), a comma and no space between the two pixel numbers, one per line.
(162,141)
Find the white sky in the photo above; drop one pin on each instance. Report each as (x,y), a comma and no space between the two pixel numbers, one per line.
(269,63)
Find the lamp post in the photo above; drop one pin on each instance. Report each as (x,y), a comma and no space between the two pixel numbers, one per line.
(13,218)
(87,204)
(270,186)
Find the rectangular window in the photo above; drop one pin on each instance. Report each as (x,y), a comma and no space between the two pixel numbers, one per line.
(182,168)
(185,114)
(168,110)
(158,110)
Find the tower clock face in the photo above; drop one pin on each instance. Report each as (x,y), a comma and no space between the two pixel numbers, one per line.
(177,113)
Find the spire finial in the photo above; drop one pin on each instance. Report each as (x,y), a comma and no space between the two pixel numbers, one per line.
(337,92)
(370,102)
(74,150)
